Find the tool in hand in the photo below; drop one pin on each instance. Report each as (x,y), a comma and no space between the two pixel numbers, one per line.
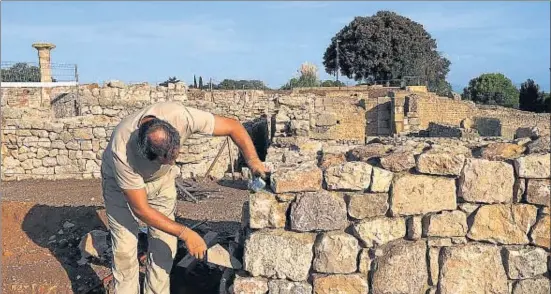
(256,184)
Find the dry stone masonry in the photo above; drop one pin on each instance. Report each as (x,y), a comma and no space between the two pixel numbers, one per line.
(355,219)
(61,132)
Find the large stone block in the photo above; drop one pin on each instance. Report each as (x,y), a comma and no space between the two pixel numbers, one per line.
(501,151)
(250,285)
(446,224)
(381,180)
(351,176)
(381,230)
(534,166)
(503,223)
(330,159)
(296,179)
(539,285)
(288,287)
(279,254)
(364,205)
(340,284)
(539,192)
(336,253)
(323,211)
(83,133)
(419,194)
(472,268)
(398,161)
(487,181)
(266,212)
(540,234)
(365,153)
(525,263)
(540,145)
(440,163)
(401,268)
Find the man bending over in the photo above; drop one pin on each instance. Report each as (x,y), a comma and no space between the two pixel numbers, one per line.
(138,180)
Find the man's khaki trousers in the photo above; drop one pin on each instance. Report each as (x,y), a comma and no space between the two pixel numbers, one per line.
(123,225)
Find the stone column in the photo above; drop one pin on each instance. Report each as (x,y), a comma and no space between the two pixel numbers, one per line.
(44,60)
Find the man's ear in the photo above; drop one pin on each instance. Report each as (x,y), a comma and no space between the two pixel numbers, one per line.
(146,119)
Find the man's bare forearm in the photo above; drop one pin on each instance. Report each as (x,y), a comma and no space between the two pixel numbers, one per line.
(242,139)
(137,200)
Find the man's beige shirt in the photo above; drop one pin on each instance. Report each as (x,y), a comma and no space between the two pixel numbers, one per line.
(121,160)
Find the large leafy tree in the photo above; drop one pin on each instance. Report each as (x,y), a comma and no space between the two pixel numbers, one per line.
(546,102)
(530,98)
(387,47)
(493,89)
(229,84)
(21,72)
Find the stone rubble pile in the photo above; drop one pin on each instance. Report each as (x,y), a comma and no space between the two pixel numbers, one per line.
(401,216)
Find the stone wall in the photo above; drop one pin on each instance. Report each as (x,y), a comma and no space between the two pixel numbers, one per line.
(43,126)
(320,118)
(401,216)
(62,132)
(488,120)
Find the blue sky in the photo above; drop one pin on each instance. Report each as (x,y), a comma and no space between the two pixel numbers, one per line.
(150,41)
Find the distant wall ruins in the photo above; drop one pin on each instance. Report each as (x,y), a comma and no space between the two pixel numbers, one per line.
(60,132)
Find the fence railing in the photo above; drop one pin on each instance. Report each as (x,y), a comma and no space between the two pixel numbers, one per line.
(30,72)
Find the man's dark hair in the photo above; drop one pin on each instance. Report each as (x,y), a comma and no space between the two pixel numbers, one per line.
(163,146)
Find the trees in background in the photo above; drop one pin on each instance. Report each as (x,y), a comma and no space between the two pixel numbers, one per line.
(308,77)
(172,80)
(389,48)
(331,83)
(532,99)
(229,84)
(493,89)
(21,72)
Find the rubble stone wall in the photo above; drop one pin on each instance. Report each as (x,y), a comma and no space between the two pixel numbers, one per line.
(401,216)
(489,120)
(62,132)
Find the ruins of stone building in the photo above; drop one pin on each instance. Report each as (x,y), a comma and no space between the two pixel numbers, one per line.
(60,132)
(374,189)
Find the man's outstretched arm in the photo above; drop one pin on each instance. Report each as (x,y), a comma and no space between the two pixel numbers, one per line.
(224,126)
(137,200)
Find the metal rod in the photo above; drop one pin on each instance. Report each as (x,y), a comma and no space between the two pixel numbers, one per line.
(231,158)
(216,158)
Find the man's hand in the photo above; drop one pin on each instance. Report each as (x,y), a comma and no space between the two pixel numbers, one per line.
(196,246)
(230,127)
(257,167)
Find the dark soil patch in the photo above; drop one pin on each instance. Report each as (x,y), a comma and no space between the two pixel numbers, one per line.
(34,211)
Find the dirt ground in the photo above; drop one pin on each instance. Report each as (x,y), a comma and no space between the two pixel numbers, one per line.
(39,255)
